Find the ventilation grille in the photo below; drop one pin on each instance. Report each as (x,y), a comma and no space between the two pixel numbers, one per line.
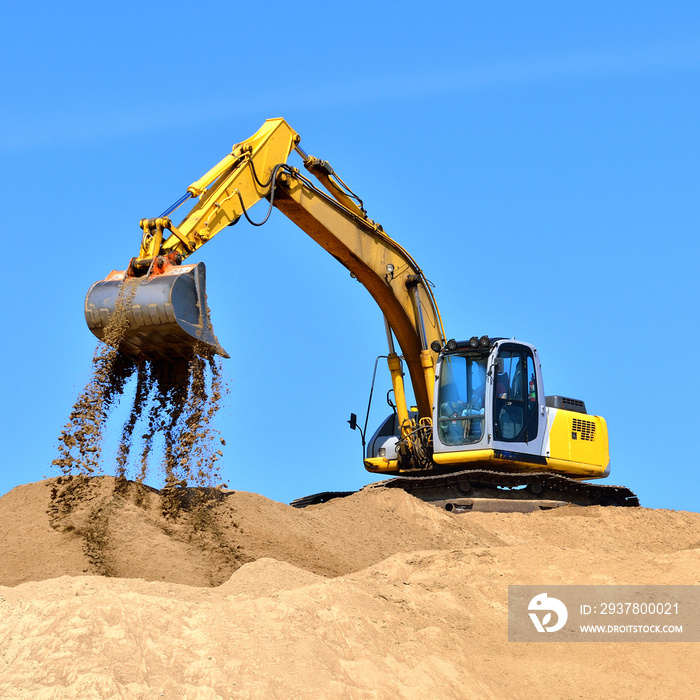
(566,403)
(585,429)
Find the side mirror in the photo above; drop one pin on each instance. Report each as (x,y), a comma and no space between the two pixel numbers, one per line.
(353,421)
(499,365)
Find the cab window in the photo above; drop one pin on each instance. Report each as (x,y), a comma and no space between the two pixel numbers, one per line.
(515,396)
(461,398)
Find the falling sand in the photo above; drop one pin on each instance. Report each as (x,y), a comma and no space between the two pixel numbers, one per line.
(174,402)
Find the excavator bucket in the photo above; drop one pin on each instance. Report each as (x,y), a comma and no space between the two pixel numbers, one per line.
(158,316)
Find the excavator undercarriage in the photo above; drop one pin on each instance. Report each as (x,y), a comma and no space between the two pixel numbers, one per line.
(482,490)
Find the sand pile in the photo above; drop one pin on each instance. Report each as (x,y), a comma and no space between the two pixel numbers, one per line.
(374,596)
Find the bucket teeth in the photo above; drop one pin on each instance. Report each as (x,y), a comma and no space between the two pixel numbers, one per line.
(155,317)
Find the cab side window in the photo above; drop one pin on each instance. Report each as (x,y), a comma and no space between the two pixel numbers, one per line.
(532,402)
(515,396)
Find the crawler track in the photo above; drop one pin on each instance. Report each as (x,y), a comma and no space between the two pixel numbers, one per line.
(477,489)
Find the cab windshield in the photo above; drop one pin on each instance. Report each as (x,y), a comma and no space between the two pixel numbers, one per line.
(461,398)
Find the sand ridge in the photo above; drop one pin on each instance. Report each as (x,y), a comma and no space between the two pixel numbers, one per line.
(374,596)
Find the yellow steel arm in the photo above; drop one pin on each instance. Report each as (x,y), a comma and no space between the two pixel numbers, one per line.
(232,186)
(386,270)
(257,169)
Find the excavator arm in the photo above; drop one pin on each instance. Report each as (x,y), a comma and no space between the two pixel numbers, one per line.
(257,169)
(225,193)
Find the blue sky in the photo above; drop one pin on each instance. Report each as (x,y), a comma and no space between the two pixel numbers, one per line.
(539,160)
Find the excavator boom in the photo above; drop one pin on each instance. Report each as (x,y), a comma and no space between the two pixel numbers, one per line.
(161,321)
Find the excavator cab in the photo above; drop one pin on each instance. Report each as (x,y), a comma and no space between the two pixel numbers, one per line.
(490,397)
(517,428)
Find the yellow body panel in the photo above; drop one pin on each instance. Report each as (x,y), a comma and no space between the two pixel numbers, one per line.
(497,459)
(575,470)
(488,459)
(380,464)
(463,456)
(578,439)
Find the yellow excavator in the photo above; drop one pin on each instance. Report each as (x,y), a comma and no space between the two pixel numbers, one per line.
(482,434)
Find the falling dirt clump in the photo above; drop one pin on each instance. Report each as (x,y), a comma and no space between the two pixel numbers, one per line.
(172,407)
(80,441)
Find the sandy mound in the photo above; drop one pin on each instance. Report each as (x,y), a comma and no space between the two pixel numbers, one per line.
(104,529)
(373,596)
